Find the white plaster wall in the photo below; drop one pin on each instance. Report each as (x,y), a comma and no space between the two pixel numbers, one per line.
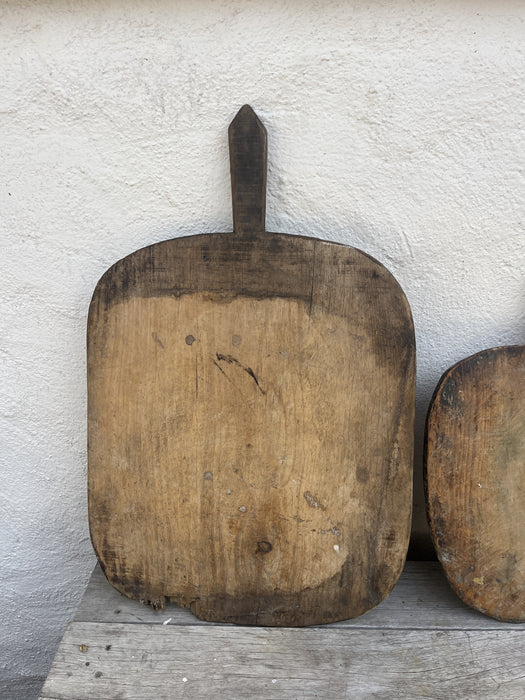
(394,126)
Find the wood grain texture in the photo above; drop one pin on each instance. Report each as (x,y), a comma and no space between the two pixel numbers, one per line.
(140,662)
(250,419)
(475,475)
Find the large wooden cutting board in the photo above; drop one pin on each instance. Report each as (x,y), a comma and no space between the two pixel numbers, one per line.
(251,400)
(475,477)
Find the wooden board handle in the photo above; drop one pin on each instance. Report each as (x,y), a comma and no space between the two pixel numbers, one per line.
(248,156)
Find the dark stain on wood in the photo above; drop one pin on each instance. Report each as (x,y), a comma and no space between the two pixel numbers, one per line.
(264,547)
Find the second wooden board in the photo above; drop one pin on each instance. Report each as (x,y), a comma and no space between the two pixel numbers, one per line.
(475,476)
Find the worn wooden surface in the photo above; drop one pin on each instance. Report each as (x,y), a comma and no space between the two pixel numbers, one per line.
(475,474)
(250,400)
(148,661)
(421,599)
(248,155)
(420,642)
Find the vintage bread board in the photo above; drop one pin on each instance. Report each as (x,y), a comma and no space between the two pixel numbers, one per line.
(475,480)
(250,419)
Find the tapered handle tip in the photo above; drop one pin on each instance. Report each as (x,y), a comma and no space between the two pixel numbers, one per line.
(246,120)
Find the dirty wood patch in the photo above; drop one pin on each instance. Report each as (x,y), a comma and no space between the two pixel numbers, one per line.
(250,420)
(476,480)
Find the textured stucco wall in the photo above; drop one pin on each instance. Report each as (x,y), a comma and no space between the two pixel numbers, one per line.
(394,126)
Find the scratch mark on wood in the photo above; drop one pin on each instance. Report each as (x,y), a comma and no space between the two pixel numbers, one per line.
(158,340)
(220,369)
(196,377)
(234,361)
(313,501)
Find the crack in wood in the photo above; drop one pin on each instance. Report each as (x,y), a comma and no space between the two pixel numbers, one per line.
(234,361)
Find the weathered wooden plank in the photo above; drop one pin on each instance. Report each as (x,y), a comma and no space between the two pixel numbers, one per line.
(422,599)
(106,661)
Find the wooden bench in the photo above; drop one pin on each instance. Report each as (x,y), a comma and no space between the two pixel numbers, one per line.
(422,641)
